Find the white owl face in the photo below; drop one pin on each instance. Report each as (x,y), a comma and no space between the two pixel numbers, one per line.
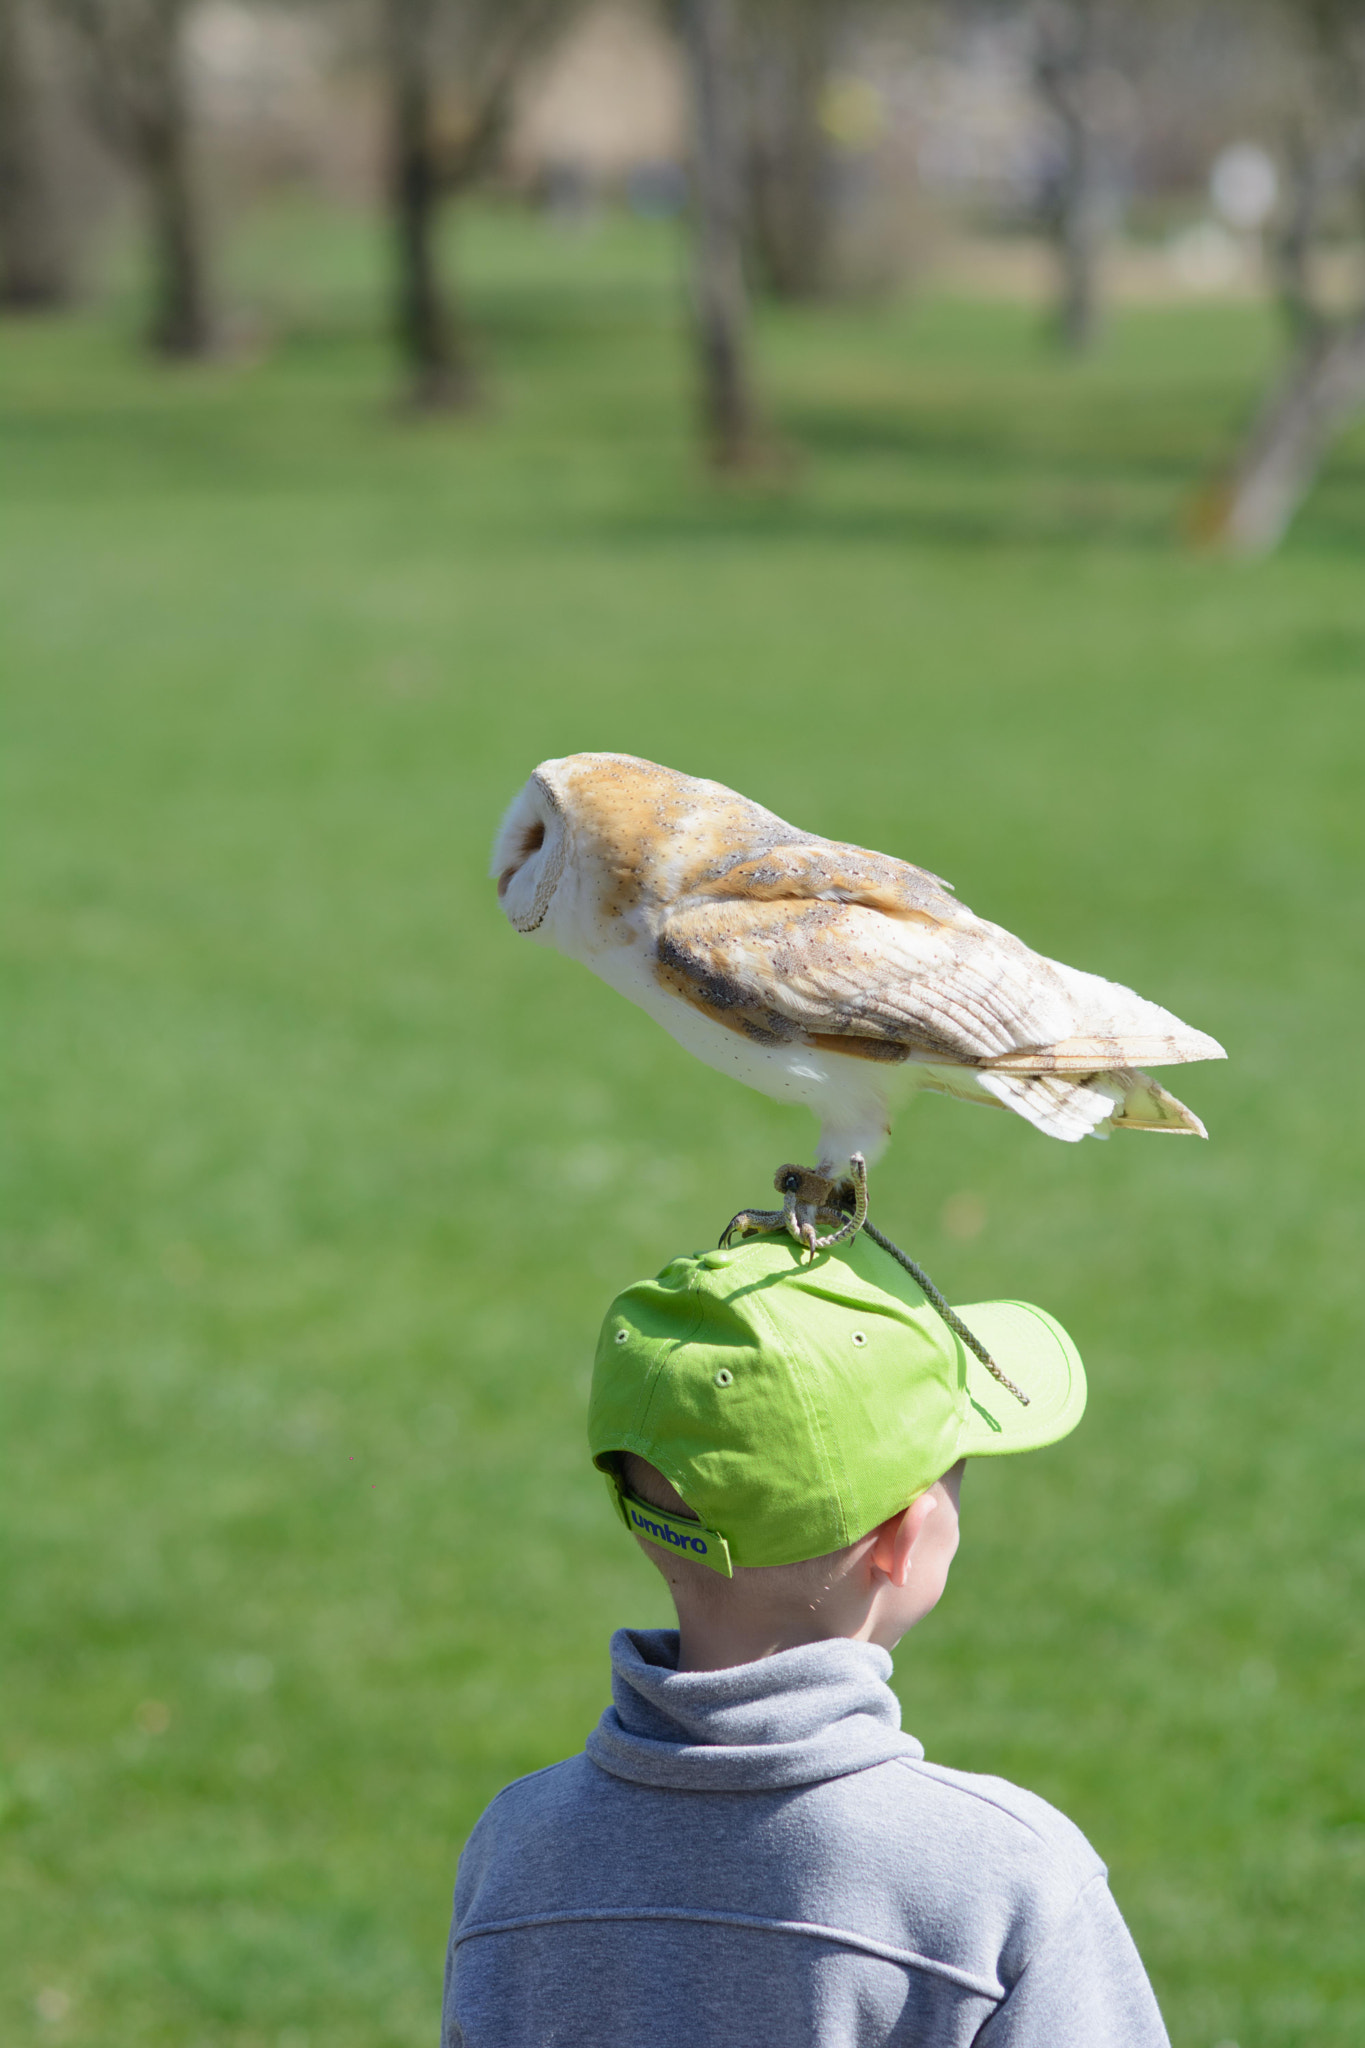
(529,854)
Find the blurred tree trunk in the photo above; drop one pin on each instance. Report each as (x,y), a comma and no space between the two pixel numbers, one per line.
(1321,387)
(453,67)
(720,301)
(431,336)
(34,270)
(181,323)
(1075,204)
(136,53)
(790,46)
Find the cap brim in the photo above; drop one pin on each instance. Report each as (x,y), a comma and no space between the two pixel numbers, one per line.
(1036,1353)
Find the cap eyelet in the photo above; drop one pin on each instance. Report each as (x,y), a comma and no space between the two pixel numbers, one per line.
(623,1336)
(860,1338)
(725,1378)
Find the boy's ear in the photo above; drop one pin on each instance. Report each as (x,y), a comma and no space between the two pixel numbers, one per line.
(896,1538)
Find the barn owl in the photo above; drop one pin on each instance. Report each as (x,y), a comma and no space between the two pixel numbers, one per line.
(821,973)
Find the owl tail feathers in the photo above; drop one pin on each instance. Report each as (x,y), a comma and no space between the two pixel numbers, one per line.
(1123,1100)
(1147,1106)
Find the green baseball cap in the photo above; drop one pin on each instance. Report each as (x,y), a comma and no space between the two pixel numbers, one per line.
(795,1404)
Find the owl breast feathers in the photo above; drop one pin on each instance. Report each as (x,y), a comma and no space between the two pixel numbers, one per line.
(820,972)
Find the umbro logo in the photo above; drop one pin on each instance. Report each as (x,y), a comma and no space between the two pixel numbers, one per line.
(659,1532)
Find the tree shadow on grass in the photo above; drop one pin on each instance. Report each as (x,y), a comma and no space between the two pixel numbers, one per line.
(930,528)
(975,506)
(1011,434)
(966,475)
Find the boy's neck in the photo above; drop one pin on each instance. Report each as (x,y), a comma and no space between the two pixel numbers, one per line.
(709,1644)
(848,1607)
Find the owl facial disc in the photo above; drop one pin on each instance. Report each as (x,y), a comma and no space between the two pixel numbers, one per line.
(529,854)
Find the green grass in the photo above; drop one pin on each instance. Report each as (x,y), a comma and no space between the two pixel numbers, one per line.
(321,1179)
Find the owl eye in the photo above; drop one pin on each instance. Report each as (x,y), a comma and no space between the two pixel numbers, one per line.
(532,839)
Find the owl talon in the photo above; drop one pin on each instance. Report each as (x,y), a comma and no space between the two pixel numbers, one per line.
(751,1223)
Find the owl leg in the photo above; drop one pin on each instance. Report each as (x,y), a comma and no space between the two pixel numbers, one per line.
(809,1199)
(818,1200)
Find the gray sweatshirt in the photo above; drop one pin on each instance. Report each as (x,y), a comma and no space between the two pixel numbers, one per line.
(759,1858)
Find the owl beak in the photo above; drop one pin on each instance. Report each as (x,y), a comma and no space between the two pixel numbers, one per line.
(503,880)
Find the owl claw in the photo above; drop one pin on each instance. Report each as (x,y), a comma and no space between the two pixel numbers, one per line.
(750,1223)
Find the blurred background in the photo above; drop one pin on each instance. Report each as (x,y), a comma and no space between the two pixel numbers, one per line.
(939,421)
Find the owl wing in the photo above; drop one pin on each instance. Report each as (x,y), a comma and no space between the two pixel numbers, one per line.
(827,871)
(875,958)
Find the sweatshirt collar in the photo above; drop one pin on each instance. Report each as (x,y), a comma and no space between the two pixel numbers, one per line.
(820,1711)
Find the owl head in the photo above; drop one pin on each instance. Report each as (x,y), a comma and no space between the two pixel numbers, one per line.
(591,835)
(530,850)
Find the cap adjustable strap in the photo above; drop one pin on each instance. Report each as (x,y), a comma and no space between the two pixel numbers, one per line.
(671,1532)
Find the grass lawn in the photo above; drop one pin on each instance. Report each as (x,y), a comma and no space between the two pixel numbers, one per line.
(321,1179)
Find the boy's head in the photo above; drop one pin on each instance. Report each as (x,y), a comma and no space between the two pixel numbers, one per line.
(786,1439)
(870,1591)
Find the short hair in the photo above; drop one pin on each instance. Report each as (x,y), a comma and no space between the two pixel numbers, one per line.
(648,1484)
(802,1583)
